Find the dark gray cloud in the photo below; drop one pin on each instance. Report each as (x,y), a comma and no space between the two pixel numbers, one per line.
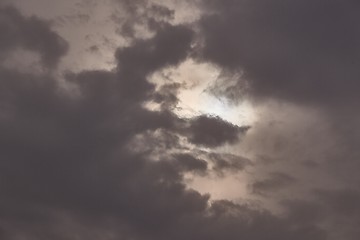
(340,210)
(29,33)
(275,182)
(213,131)
(228,162)
(188,162)
(66,157)
(305,51)
(343,201)
(96,164)
(69,153)
(305,212)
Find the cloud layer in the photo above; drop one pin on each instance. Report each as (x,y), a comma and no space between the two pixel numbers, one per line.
(82,157)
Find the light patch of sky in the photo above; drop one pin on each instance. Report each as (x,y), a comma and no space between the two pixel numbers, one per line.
(90,29)
(86,25)
(93,41)
(231,186)
(194,97)
(184,11)
(198,101)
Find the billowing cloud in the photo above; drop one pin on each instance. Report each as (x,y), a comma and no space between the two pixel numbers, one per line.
(304,51)
(65,155)
(30,34)
(83,156)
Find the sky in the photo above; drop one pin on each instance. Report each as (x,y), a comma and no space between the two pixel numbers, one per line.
(165,119)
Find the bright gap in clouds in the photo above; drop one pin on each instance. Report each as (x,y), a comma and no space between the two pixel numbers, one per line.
(195,98)
(198,101)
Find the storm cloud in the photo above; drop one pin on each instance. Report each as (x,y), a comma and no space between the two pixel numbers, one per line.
(83,156)
(305,51)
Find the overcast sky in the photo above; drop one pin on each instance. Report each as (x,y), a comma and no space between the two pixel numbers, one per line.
(165,119)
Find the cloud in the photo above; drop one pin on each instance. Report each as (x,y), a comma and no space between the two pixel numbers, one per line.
(65,157)
(344,201)
(212,131)
(223,162)
(340,207)
(94,163)
(303,51)
(275,182)
(141,14)
(190,163)
(30,33)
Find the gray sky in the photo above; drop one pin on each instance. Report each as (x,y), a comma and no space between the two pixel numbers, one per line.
(199,119)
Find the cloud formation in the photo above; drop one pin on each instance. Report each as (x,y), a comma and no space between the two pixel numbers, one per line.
(31,34)
(83,157)
(304,51)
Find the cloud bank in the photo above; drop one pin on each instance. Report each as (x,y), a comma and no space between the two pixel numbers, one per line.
(82,157)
